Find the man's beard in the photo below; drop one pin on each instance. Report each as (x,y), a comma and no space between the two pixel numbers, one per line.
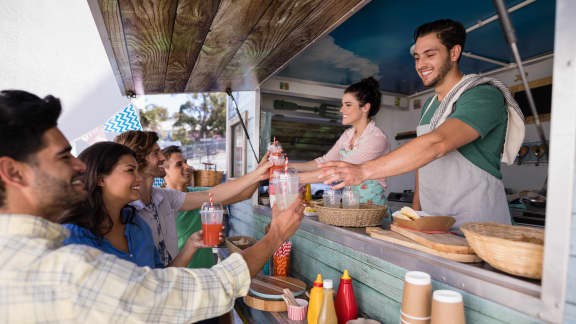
(56,195)
(442,72)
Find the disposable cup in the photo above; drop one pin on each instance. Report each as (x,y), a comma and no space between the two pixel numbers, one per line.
(286,187)
(350,199)
(331,198)
(211,215)
(298,313)
(447,307)
(416,298)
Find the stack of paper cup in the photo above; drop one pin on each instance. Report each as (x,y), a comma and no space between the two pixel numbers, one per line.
(447,307)
(416,298)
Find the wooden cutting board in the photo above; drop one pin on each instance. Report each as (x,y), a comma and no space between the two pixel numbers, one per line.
(448,242)
(266,292)
(393,237)
(265,305)
(271,287)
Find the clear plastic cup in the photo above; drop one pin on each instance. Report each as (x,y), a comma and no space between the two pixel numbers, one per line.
(286,187)
(332,198)
(278,162)
(274,148)
(211,215)
(350,198)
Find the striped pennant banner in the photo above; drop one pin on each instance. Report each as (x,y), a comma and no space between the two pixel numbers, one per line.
(125,120)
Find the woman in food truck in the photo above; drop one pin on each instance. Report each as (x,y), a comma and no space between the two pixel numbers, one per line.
(362,142)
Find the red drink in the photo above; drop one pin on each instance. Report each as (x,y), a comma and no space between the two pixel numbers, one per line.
(211,234)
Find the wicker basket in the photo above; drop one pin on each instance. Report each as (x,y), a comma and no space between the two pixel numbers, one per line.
(315,203)
(366,215)
(234,248)
(207,178)
(517,250)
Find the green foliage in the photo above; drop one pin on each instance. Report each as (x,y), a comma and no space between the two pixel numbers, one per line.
(204,115)
(151,117)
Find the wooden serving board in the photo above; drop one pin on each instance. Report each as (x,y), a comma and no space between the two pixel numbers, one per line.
(269,287)
(448,242)
(392,237)
(266,305)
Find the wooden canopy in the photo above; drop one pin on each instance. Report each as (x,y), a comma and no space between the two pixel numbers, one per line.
(174,46)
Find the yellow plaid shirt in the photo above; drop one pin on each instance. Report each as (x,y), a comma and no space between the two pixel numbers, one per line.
(44,282)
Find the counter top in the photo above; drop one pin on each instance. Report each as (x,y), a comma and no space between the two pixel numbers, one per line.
(477,279)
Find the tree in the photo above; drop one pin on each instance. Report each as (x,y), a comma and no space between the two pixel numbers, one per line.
(202,116)
(151,117)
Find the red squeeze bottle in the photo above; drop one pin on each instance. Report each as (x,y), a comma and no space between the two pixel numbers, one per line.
(346,308)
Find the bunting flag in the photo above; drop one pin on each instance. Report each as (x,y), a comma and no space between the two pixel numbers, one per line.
(125,120)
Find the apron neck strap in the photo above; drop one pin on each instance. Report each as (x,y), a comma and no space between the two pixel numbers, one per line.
(427,107)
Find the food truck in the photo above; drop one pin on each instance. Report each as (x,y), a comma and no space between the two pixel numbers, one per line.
(285,65)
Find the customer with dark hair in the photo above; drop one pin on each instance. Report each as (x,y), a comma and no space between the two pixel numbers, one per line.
(106,221)
(43,281)
(26,117)
(362,142)
(159,207)
(466,130)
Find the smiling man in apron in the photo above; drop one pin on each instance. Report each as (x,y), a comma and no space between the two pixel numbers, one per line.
(466,129)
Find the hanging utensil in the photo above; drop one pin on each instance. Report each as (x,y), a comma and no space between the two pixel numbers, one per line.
(522,153)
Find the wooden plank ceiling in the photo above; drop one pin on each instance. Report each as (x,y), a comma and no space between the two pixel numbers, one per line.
(175,46)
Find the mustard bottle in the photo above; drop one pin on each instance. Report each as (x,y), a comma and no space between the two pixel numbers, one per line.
(315,301)
(328,312)
(308,195)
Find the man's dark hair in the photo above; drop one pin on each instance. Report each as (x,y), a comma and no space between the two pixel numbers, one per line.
(449,32)
(24,118)
(141,142)
(100,160)
(168,151)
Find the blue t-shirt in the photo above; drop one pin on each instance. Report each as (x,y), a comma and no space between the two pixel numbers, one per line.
(140,241)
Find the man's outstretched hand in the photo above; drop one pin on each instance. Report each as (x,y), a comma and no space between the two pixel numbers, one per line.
(286,222)
(347,173)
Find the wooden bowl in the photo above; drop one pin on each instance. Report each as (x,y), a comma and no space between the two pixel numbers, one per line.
(427,223)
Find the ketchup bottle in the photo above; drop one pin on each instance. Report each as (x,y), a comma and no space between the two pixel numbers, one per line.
(346,308)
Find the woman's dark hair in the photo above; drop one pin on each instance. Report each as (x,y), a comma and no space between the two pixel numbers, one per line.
(100,160)
(24,118)
(367,91)
(449,32)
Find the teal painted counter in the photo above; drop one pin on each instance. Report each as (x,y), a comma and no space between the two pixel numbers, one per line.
(378,281)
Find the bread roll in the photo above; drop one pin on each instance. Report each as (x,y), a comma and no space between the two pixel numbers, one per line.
(409,213)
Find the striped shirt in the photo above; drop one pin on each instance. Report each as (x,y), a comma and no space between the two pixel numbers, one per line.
(372,144)
(42,281)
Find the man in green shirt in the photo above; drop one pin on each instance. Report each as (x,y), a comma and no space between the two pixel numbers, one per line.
(463,134)
(178,176)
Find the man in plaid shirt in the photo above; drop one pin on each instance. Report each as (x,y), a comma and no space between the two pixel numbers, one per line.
(43,282)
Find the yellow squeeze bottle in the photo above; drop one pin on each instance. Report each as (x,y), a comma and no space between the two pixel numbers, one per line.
(315,301)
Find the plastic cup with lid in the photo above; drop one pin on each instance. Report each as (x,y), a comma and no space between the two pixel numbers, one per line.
(211,214)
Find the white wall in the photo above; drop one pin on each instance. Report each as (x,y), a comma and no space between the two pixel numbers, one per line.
(53,47)
(391,121)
